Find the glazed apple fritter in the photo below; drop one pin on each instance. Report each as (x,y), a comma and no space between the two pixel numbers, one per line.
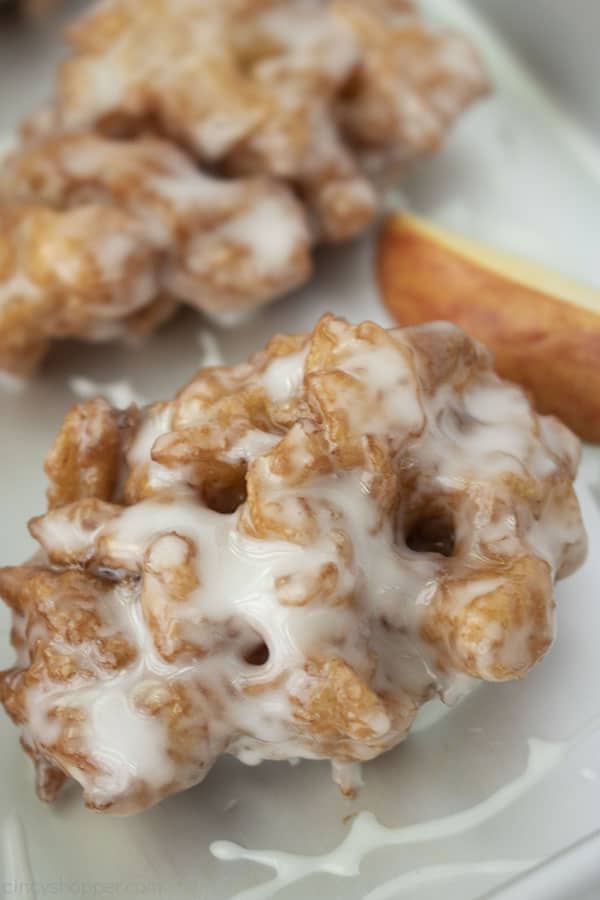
(287,559)
(196,152)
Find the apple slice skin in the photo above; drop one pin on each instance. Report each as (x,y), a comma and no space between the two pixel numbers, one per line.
(548,345)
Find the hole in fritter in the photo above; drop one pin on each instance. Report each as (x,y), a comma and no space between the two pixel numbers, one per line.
(225,498)
(350,90)
(258,655)
(432,533)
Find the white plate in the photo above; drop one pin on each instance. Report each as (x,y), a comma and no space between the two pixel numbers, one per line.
(525,175)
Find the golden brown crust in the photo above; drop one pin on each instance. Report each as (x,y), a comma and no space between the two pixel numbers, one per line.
(85,458)
(519,606)
(341,710)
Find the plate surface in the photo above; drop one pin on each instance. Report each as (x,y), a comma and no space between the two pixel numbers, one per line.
(519,172)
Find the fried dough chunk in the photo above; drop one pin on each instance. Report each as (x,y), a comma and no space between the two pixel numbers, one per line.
(303,91)
(98,236)
(276,123)
(286,559)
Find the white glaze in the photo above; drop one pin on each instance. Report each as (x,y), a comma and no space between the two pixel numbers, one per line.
(367,834)
(126,744)
(210,349)
(120,394)
(271,237)
(283,377)
(347,776)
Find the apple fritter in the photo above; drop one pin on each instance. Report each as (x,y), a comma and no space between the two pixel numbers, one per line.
(99,237)
(287,559)
(196,152)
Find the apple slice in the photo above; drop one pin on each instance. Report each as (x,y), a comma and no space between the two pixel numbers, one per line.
(543,328)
